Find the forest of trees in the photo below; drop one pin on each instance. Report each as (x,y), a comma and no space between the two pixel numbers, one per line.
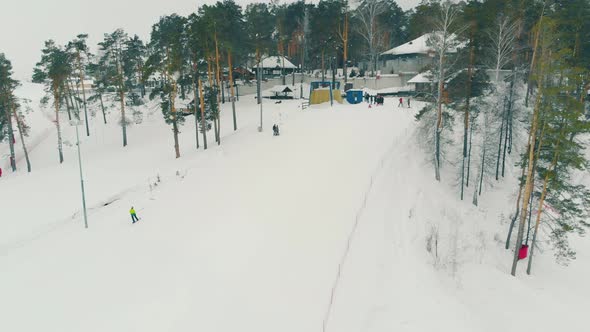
(535,116)
(543,45)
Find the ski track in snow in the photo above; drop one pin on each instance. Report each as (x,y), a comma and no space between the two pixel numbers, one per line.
(358,218)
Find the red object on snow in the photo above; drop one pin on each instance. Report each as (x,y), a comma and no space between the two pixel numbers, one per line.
(523,251)
(0,172)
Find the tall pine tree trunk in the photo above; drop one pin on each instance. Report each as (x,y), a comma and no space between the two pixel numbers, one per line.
(203,121)
(104,116)
(69,101)
(505,141)
(76,102)
(56,98)
(511,110)
(345,49)
(83,94)
(22,138)
(529,180)
(218,75)
(517,211)
(439,123)
(323,67)
(10,136)
(469,152)
(499,155)
(542,199)
(123,119)
(231,86)
(466,117)
(196,109)
(532,67)
(174,119)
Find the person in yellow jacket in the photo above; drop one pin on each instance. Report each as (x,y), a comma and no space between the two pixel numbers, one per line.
(133,215)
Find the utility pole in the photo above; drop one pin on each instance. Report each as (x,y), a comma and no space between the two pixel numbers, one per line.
(81,176)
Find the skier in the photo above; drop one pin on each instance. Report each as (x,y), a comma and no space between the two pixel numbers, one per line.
(401,102)
(0,172)
(278,132)
(133,215)
(409,103)
(366,96)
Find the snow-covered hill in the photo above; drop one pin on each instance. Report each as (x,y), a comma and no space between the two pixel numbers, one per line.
(337,223)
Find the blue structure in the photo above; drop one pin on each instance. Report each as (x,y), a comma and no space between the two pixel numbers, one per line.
(354,96)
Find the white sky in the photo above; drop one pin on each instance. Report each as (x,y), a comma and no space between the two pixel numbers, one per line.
(26,24)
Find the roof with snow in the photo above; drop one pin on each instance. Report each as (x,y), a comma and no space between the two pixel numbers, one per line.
(425,77)
(276,62)
(281,89)
(416,46)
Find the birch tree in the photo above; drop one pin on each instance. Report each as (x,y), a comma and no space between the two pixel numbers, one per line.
(444,41)
(367,16)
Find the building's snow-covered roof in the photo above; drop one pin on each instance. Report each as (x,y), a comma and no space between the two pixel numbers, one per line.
(416,46)
(277,62)
(281,89)
(425,77)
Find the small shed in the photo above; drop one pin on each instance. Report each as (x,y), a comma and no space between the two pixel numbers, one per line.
(282,92)
(354,96)
(422,82)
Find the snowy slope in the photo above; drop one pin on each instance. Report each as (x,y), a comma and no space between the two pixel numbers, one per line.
(326,225)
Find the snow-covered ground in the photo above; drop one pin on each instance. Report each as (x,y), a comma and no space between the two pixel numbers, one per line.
(326,225)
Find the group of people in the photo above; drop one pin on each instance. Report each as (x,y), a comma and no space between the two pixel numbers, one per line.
(275,130)
(401,102)
(374,99)
(378,100)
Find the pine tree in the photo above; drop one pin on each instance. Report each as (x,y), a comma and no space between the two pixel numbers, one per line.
(168,45)
(53,70)
(114,47)
(23,130)
(7,104)
(80,54)
(563,206)
(134,65)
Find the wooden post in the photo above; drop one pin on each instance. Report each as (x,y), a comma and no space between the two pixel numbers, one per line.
(231,87)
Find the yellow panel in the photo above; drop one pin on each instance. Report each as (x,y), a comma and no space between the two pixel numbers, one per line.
(323,96)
